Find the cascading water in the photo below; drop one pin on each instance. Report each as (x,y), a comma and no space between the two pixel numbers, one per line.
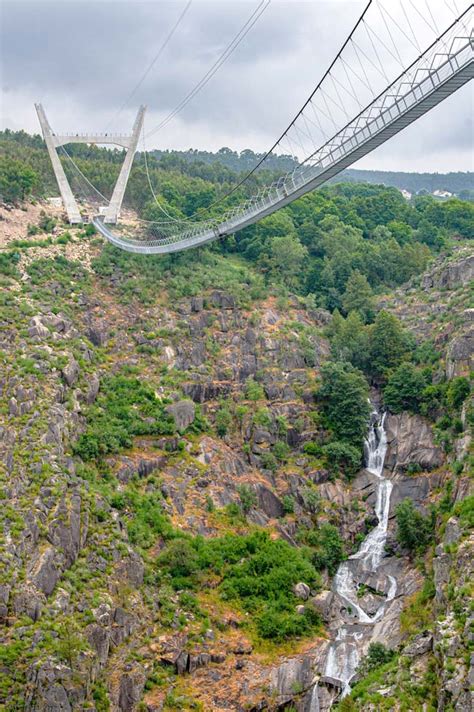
(344,652)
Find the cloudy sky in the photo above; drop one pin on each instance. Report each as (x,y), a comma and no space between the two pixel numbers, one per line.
(83,58)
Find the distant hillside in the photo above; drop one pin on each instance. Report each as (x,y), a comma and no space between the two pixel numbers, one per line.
(459,183)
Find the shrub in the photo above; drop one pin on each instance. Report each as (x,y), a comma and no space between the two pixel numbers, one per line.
(281,450)
(414,531)
(8,262)
(457,392)
(253,390)
(248,498)
(288,504)
(342,456)
(255,571)
(223,420)
(377,655)
(311,499)
(180,561)
(404,389)
(125,407)
(263,418)
(329,548)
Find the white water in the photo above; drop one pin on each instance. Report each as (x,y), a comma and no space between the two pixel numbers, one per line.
(344,652)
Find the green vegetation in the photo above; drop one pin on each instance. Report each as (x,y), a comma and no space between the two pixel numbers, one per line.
(16,179)
(126,407)
(255,572)
(343,396)
(414,531)
(341,244)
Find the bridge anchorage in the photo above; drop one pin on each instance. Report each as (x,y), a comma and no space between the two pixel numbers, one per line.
(54,141)
(372,106)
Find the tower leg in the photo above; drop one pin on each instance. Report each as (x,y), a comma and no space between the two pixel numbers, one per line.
(113,210)
(67,196)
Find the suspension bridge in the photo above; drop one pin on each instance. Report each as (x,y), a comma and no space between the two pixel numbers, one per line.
(381,80)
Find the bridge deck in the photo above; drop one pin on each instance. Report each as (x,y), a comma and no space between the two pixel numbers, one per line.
(385,117)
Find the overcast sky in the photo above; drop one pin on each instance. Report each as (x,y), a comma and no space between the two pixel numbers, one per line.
(82,58)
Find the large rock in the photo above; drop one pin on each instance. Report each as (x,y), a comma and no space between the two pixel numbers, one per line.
(410,441)
(131,688)
(269,502)
(460,355)
(302,590)
(71,372)
(53,687)
(28,602)
(99,640)
(183,413)
(45,572)
(291,675)
(450,276)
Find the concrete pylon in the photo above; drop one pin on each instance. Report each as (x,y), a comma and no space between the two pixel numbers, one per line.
(69,201)
(113,211)
(127,141)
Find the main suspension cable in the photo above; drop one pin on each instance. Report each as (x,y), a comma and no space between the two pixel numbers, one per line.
(228,51)
(152,63)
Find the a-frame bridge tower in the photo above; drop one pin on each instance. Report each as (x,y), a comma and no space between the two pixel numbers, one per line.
(129,142)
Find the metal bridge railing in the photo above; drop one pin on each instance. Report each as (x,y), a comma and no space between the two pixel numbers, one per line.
(414,93)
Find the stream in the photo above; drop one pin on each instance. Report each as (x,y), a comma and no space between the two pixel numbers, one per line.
(358,574)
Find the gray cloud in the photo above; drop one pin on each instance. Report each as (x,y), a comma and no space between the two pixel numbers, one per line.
(82,58)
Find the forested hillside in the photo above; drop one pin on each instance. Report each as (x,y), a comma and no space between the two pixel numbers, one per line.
(340,239)
(183,456)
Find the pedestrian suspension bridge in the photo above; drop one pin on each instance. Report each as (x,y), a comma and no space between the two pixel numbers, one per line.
(381,80)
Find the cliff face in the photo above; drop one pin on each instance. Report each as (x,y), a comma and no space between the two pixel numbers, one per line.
(218,447)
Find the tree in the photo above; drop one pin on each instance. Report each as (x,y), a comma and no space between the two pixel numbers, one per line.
(343,456)
(404,390)
(414,531)
(377,655)
(358,296)
(16,179)
(389,343)
(69,644)
(287,256)
(349,339)
(458,391)
(344,397)
(329,548)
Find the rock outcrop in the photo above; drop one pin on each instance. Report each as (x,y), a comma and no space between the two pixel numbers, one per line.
(411,442)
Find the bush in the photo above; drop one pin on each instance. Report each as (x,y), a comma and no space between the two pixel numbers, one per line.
(180,561)
(125,407)
(404,389)
(223,420)
(281,450)
(248,498)
(8,262)
(253,390)
(329,548)
(255,571)
(342,456)
(288,504)
(457,392)
(377,655)
(263,418)
(414,531)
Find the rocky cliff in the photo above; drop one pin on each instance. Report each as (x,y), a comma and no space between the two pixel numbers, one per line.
(219,446)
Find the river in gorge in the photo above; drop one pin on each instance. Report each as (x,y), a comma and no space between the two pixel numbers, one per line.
(361,572)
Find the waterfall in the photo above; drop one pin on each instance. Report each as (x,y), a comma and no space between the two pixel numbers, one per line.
(343,656)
